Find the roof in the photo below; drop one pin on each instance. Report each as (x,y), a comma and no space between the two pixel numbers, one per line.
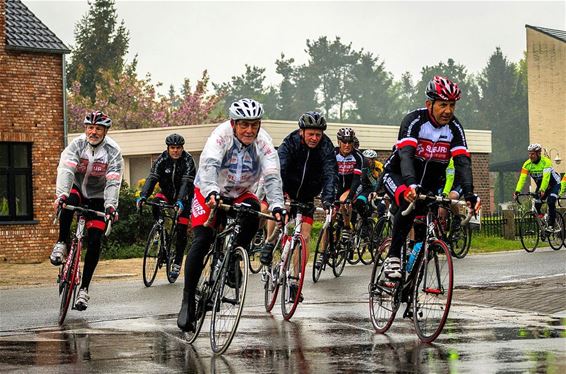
(25,32)
(557,34)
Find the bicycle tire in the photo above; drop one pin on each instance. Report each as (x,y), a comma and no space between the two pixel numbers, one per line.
(556,239)
(529,231)
(151,255)
(69,283)
(460,240)
(338,257)
(432,291)
(227,311)
(298,255)
(365,244)
(202,297)
(319,254)
(383,300)
(271,286)
(170,256)
(255,250)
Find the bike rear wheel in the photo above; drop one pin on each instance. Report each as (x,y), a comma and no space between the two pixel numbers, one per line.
(365,242)
(556,238)
(321,248)
(460,240)
(151,255)
(255,250)
(69,280)
(294,275)
(432,292)
(202,297)
(271,277)
(339,256)
(529,231)
(383,300)
(229,301)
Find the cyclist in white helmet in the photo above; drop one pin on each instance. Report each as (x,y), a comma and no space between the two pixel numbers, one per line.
(236,155)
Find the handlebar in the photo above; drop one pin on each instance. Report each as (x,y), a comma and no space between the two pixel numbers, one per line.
(163,205)
(246,208)
(82,210)
(534,195)
(440,199)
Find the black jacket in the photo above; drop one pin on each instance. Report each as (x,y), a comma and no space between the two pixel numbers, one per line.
(175,177)
(306,172)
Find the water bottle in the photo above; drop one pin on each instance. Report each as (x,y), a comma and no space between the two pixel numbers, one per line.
(413,255)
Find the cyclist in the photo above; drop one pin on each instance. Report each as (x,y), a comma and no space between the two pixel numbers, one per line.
(175,171)
(547,180)
(370,182)
(308,167)
(89,174)
(235,156)
(427,138)
(349,162)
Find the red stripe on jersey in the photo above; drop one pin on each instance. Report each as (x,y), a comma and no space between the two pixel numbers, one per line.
(406,142)
(460,152)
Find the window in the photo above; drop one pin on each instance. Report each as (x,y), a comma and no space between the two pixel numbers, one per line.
(16,200)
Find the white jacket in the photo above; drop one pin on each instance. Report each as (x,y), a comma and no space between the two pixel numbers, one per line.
(231,169)
(97,171)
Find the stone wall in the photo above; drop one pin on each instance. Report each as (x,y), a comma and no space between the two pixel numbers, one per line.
(31,110)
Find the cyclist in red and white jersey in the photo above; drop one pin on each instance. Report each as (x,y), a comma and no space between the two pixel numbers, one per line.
(89,174)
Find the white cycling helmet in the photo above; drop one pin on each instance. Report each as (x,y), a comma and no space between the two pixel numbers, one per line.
(535,147)
(369,153)
(246,109)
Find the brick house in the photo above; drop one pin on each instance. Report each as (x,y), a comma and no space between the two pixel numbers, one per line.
(32,102)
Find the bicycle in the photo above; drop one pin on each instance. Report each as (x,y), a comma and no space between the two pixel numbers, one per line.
(533,226)
(288,265)
(382,230)
(69,276)
(224,280)
(335,249)
(158,249)
(426,288)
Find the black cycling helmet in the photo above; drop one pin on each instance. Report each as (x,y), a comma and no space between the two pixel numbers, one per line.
(174,139)
(312,120)
(346,134)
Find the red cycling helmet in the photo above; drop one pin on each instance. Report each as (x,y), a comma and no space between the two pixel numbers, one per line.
(440,88)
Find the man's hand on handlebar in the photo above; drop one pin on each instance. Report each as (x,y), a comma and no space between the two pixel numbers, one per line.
(410,194)
(212,199)
(280,215)
(473,201)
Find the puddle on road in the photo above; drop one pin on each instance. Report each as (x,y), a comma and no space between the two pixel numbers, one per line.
(331,342)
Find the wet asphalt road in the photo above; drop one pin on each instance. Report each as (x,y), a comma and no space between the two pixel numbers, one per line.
(129,328)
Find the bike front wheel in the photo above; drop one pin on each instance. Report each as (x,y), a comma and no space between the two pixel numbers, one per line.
(460,239)
(271,278)
(229,300)
(255,250)
(170,256)
(432,292)
(339,256)
(382,231)
(70,282)
(529,231)
(151,255)
(294,278)
(383,300)
(365,242)
(318,262)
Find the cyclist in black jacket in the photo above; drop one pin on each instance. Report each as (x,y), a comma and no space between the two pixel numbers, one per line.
(308,167)
(175,171)
(427,138)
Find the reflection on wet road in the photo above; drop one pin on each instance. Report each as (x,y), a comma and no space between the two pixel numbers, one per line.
(322,338)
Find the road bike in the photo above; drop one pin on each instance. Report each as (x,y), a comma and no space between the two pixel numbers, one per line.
(224,280)
(331,249)
(69,276)
(426,287)
(159,250)
(288,267)
(534,228)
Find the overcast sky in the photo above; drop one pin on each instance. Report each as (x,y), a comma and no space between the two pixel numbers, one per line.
(179,39)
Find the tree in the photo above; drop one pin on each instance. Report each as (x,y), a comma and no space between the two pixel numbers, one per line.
(249,84)
(100,46)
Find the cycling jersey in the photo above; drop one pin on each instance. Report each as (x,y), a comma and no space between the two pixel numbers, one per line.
(232,169)
(563,185)
(423,151)
(96,171)
(307,171)
(349,172)
(175,177)
(542,173)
